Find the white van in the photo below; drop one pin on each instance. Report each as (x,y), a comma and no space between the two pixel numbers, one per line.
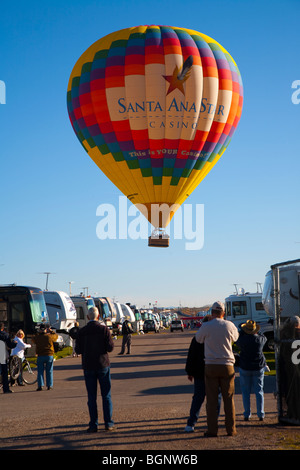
(61,312)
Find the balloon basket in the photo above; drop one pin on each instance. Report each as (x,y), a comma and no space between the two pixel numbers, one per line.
(159,239)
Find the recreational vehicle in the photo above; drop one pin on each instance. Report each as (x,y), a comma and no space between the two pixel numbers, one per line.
(23,308)
(281,299)
(104,311)
(82,306)
(288,289)
(124,312)
(61,311)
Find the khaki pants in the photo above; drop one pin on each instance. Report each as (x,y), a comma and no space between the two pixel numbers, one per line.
(218,376)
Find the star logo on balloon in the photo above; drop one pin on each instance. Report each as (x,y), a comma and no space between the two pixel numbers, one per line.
(180,76)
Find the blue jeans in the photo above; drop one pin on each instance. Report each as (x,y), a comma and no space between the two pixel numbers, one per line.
(92,377)
(45,362)
(197,401)
(252,380)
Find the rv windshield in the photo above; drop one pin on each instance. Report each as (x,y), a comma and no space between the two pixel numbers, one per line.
(105,309)
(137,315)
(268,294)
(90,302)
(38,306)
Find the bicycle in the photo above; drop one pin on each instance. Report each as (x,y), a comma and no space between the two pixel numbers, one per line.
(17,367)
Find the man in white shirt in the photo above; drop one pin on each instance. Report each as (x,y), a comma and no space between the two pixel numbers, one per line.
(218,336)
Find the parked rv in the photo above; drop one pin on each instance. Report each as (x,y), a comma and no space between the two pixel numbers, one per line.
(248,306)
(138,317)
(289,290)
(116,327)
(61,311)
(120,317)
(281,299)
(82,305)
(124,312)
(24,308)
(104,311)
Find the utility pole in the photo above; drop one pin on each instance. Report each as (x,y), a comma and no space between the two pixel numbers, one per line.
(47,278)
(70,282)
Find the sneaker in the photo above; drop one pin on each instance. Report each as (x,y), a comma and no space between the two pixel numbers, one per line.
(109,428)
(189,429)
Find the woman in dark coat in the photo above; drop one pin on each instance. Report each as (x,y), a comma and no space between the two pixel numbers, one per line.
(252,365)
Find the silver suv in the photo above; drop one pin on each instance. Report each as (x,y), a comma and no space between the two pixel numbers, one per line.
(176,325)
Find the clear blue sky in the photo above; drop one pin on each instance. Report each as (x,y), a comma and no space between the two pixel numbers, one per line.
(50,188)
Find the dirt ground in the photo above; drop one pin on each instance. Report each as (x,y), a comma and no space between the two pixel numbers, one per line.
(141,431)
(151,399)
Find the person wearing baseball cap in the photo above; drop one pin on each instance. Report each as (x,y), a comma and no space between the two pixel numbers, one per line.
(218,335)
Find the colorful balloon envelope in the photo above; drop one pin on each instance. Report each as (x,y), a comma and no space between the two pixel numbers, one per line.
(155,107)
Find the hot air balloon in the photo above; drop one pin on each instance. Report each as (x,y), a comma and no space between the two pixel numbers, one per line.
(155,107)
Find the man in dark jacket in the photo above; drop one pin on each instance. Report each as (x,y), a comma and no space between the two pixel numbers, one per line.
(195,372)
(194,368)
(127,336)
(94,342)
(6,343)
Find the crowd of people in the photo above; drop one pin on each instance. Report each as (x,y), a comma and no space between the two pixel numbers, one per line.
(44,341)
(210,365)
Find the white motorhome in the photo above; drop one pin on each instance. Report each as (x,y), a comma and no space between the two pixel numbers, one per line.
(61,312)
(104,311)
(82,305)
(281,299)
(138,317)
(245,306)
(124,312)
(289,290)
